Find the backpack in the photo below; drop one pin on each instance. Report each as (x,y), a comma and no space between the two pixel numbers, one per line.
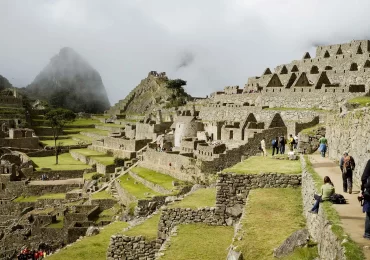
(337,199)
(274,143)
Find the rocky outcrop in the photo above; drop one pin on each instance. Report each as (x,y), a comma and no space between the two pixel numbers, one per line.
(308,139)
(298,239)
(69,81)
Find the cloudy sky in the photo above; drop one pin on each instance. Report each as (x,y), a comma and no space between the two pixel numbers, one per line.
(209,43)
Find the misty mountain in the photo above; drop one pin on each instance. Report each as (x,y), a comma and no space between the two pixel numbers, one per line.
(69,81)
(4,83)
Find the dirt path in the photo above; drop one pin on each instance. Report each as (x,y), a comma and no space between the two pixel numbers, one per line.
(351,213)
(58,182)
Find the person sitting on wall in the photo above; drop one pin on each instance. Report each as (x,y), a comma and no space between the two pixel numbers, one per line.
(326,191)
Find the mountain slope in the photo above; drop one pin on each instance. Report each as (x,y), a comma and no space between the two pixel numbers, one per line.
(69,81)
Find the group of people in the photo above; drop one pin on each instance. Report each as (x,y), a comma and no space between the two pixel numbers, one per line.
(27,254)
(278,144)
(347,166)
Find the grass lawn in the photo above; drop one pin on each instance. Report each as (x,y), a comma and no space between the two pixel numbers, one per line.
(263,228)
(148,229)
(83,122)
(361,100)
(45,196)
(99,157)
(58,224)
(199,241)
(94,247)
(155,177)
(138,189)
(101,195)
(62,142)
(87,130)
(199,199)
(88,176)
(108,214)
(260,164)
(306,253)
(66,162)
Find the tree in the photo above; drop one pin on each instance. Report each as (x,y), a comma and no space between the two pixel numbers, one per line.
(58,118)
(175,83)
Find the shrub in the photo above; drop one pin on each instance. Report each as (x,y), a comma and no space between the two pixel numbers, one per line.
(176,83)
(119,161)
(96,176)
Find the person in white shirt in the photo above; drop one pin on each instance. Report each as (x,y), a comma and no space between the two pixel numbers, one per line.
(263,147)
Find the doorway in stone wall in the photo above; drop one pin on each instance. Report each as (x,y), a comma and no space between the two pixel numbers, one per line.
(231,135)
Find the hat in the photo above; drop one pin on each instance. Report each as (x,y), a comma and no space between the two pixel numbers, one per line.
(345,152)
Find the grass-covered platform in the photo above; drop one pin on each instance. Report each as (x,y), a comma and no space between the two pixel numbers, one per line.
(94,247)
(101,195)
(135,188)
(272,215)
(102,158)
(361,100)
(265,164)
(147,229)
(65,162)
(199,241)
(155,177)
(198,199)
(59,196)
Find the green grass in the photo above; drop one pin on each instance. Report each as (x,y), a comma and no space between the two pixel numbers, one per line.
(138,189)
(311,130)
(84,122)
(305,253)
(58,224)
(155,177)
(66,162)
(261,164)
(108,214)
(88,176)
(45,196)
(361,100)
(272,215)
(87,130)
(148,229)
(198,199)
(97,156)
(101,195)
(352,250)
(94,247)
(63,142)
(199,241)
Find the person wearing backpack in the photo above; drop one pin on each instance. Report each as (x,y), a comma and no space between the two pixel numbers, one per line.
(347,165)
(282,144)
(365,193)
(274,144)
(327,190)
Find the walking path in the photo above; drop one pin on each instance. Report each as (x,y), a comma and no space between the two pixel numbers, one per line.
(353,220)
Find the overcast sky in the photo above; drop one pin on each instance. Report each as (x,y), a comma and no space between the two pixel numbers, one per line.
(209,43)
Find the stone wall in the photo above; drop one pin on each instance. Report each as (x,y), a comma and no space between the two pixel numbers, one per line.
(125,197)
(148,206)
(308,142)
(350,132)
(300,126)
(125,247)
(100,168)
(26,142)
(318,225)
(71,174)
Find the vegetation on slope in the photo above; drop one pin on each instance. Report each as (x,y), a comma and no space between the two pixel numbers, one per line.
(363,101)
(198,199)
(66,162)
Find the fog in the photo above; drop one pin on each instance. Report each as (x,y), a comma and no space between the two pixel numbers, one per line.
(211,44)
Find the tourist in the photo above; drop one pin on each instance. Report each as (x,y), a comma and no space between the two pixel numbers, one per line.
(295,141)
(323,145)
(365,191)
(282,144)
(326,191)
(291,142)
(347,165)
(263,147)
(275,146)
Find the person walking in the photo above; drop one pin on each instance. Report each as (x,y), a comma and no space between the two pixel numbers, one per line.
(347,165)
(282,144)
(365,192)
(291,142)
(323,145)
(326,191)
(296,141)
(275,146)
(263,147)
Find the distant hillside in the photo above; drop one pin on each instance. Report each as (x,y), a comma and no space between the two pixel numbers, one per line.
(69,81)
(4,83)
(154,92)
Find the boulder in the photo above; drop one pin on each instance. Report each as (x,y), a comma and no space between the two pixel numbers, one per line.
(235,211)
(298,239)
(92,231)
(233,255)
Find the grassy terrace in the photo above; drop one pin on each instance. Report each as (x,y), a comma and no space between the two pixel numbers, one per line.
(66,162)
(311,130)
(361,100)
(94,247)
(260,164)
(155,177)
(69,131)
(84,122)
(148,229)
(45,196)
(97,156)
(352,250)
(69,140)
(262,229)
(58,224)
(198,199)
(101,195)
(135,188)
(108,214)
(198,241)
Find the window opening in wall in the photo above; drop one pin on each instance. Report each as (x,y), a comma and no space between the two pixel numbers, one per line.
(333,90)
(302,89)
(367,64)
(326,55)
(353,67)
(359,50)
(339,51)
(342,90)
(280,90)
(309,90)
(294,90)
(231,135)
(326,90)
